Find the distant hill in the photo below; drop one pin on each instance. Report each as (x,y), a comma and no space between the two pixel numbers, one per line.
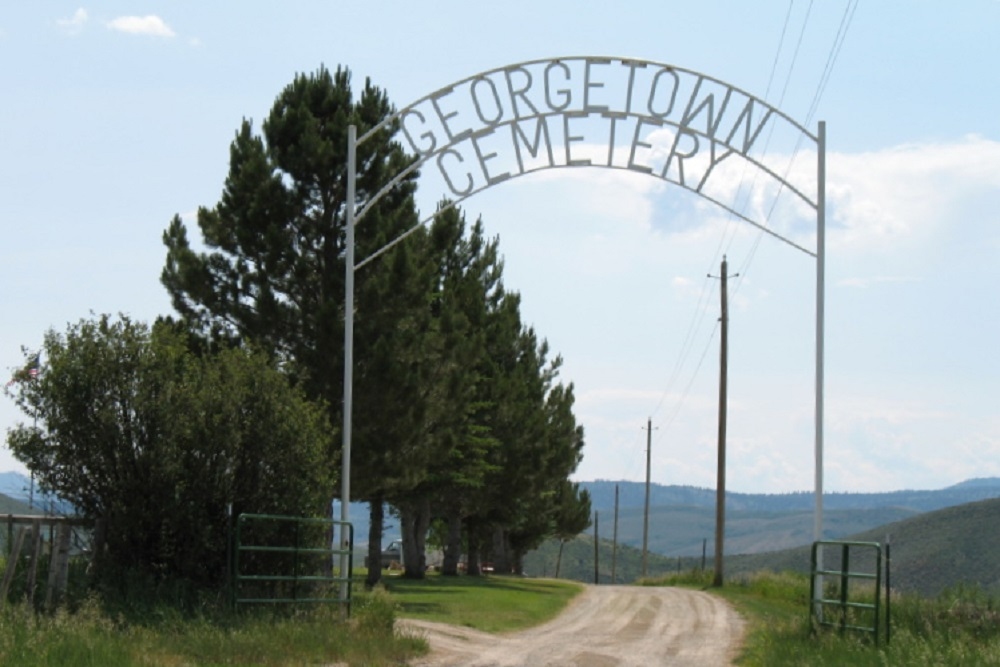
(14,484)
(930,552)
(10,505)
(682,518)
(578,561)
(682,530)
(632,494)
(19,487)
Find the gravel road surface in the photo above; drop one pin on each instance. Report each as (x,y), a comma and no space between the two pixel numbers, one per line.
(604,626)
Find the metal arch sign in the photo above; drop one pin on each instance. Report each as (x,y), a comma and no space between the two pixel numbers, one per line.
(675,124)
(678,125)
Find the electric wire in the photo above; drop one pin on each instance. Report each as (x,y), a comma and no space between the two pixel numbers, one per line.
(694,375)
(742,198)
(705,292)
(748,192)
(781,101)
(689,338)
(838,42)
(701,308)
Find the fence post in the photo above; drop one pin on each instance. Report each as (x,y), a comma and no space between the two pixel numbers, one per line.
(888,609)
(35,554)
(59,566)
(15,555)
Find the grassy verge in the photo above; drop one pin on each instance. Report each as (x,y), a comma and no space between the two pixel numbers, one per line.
(91,637)
(490,604)
(959,627)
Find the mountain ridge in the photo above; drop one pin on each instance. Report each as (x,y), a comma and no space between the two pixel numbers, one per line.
(632,494)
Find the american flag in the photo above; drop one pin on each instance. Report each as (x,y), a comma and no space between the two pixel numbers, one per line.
(29,372)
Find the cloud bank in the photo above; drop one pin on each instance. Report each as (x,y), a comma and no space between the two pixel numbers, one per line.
(150,25)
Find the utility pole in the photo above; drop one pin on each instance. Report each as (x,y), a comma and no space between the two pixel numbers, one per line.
(720,489)
(597,553)
(614,542)
(645,514)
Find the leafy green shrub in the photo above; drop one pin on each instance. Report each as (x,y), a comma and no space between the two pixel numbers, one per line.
(135,428)
(374,613)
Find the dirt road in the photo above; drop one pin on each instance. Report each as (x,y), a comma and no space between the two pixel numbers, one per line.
(605,626)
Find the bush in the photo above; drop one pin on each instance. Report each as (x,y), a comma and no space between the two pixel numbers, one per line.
(136,429)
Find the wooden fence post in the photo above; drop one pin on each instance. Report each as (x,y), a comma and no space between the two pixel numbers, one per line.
(15,555)
(59,568)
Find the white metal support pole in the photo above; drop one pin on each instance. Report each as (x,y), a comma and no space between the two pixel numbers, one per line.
(820,323)
(645,512)
(345,473)
(820,305)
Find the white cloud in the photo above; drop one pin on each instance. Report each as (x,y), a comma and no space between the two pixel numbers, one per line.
(74,24)
(879,199)
(142,25)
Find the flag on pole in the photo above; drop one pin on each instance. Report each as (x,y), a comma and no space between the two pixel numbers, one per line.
(29,372)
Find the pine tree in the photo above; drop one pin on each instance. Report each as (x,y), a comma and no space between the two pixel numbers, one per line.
(273,273)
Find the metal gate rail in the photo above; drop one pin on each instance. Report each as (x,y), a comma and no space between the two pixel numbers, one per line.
(818,603)
(296,550)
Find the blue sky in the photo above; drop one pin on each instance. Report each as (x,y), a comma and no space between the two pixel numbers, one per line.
(114,117)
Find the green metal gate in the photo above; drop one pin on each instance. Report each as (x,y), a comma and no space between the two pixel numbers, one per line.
(290,560)
(849,614)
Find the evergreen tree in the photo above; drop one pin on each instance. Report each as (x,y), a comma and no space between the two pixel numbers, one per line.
(467,285)
(274,273)
(274,270)
(572,515)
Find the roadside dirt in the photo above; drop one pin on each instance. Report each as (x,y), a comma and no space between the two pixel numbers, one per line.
(605,626)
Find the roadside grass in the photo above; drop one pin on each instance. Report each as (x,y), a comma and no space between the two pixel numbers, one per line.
(162,636)
(958,627)
(489,603)
(169,628)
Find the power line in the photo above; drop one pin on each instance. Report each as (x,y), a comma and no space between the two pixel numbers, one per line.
(838,42)
(700,309)
(687,389)
(689,337)
(788,78)
(743,195)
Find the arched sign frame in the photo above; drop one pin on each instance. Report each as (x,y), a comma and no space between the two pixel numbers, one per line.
(461,128)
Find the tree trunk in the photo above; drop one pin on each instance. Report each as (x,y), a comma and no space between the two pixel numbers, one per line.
(376,514)
(501,552)
(472,557)
(415,519)
(559,557)
(453,545)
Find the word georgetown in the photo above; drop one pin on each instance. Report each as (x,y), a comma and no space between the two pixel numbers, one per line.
(646,117)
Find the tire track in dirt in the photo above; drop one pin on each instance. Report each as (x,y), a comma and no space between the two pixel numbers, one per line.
(605,626)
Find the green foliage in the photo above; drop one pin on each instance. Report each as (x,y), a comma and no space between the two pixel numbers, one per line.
(374,613)
(958,627)
(577,562)
(931,552)
(136,430)
(490,604)
(572,510)
(454,399)
(93,638)
(274,272)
